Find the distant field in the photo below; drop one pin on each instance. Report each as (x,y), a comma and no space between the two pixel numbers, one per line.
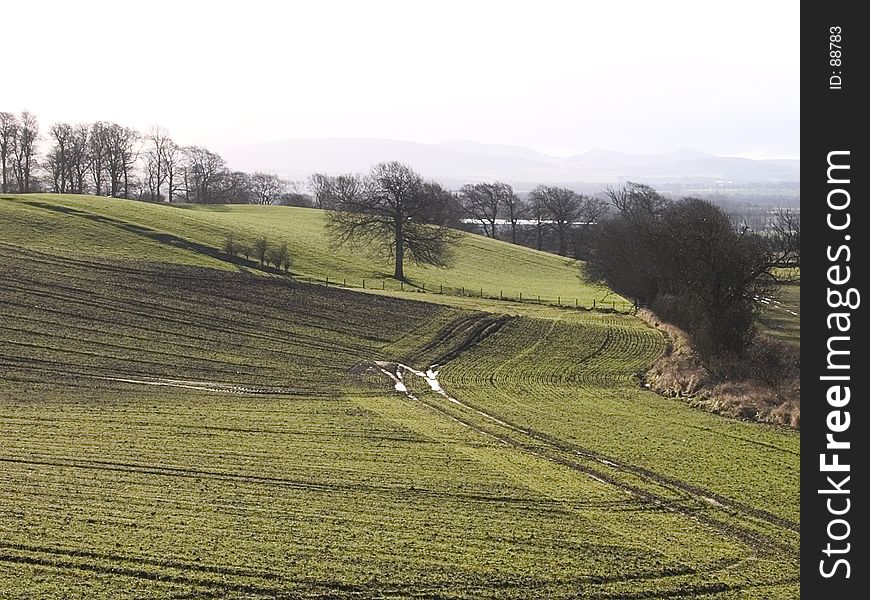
(194,235)
(171,430)
(781,318)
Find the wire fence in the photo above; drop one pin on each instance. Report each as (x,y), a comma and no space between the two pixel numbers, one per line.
(383,284)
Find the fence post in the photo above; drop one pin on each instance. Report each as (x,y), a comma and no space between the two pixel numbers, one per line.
(462,293)
(344,282)
(575,302)
(558,300)
(327,282)
(501,295)
(521,296)
(402,283)
(364,284)
(539,298)
(309,280)
(441,289)
(613,304)
(383,284)
(481,292)
(424,287)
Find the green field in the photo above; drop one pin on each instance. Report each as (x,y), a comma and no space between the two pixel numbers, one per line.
(194,235)
(781,317)
(173,425)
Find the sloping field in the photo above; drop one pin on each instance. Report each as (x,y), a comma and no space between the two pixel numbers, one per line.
(174,431)
(194,235)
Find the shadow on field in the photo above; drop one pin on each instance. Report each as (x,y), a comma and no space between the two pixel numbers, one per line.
(160,237)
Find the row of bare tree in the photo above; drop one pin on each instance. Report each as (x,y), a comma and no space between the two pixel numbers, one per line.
(110,159)
(557,208)
(491,205)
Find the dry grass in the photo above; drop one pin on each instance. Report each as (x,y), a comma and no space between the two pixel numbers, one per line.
(763,386)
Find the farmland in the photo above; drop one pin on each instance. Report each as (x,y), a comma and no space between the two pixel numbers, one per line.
(780,317)
(194,234)
(173,426)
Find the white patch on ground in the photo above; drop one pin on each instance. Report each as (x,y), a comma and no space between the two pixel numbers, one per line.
(713,501)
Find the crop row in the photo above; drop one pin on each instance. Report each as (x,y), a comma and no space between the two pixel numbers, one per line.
(71,315)
(334,496)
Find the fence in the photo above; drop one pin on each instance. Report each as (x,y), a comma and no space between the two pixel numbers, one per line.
(382,284)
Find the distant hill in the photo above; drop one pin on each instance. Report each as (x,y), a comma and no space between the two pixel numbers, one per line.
(460,161)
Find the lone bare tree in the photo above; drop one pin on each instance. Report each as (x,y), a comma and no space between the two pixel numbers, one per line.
(394,210)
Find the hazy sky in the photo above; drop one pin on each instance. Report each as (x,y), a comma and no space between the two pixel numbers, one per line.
(560,77)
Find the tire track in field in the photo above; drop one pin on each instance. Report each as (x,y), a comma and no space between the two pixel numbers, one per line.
(556,449)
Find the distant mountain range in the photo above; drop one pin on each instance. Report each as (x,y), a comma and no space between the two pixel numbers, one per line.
(459,161)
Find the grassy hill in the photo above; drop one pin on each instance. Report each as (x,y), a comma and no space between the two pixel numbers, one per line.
(194,235)
(174,426)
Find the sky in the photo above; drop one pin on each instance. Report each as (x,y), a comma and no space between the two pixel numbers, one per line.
(559,77)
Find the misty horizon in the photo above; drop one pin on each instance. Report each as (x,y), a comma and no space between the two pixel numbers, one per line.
(559,78)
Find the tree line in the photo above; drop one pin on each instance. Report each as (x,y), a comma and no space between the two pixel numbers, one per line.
(693,265)
(687,259)
(104,158)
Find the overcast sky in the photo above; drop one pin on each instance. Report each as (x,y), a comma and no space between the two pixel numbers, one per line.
(559,77)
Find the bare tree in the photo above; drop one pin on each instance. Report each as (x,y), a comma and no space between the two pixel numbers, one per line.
(785,237)
(563,209)
(58,157)
(266,188)
(120,157)
(24,151)
(514,209)
(482,202)
(158,142)
(394,210)
(8,133)
(97,152)
(78,158)
(203,172)
(537,209)
(329,192)
(637,201)
(319,185)
(173,164)
(67,159)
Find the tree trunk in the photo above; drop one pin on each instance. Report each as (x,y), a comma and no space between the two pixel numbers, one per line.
(400,253)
